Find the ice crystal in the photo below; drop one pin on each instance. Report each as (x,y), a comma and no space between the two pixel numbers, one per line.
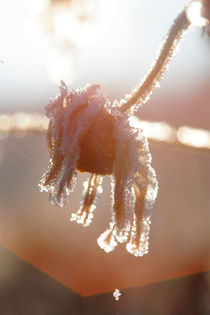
(116,294)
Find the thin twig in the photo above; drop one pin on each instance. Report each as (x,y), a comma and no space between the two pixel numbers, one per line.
(141,93)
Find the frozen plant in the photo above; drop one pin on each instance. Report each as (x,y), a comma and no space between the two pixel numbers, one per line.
(88,133)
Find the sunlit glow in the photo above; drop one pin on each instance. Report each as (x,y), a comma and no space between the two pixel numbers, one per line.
(194,137)
(22,122)
(88,34)
(160,131)
(5,123)
(33,32)
(194,14)
(83,7)
(59,27)
(61,67)
(66,24)
(157,131)
(35,7)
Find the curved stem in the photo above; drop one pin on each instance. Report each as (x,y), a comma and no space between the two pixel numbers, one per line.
(141,93)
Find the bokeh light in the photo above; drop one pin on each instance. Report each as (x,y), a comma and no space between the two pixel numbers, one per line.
(35,7)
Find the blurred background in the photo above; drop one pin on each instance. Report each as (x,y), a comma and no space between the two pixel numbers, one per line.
(48,264)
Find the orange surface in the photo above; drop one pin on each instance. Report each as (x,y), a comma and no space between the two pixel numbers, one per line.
(43,235)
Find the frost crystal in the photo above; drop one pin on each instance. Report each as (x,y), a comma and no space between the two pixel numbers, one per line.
(116,294)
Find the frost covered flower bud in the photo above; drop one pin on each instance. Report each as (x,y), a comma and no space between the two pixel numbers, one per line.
(87,133)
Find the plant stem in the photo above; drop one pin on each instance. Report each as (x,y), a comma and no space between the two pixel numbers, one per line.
(141,93)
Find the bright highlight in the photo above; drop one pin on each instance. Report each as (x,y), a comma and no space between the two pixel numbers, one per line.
(194,14)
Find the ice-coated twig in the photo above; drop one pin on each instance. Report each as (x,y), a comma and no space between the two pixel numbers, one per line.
(141,93)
